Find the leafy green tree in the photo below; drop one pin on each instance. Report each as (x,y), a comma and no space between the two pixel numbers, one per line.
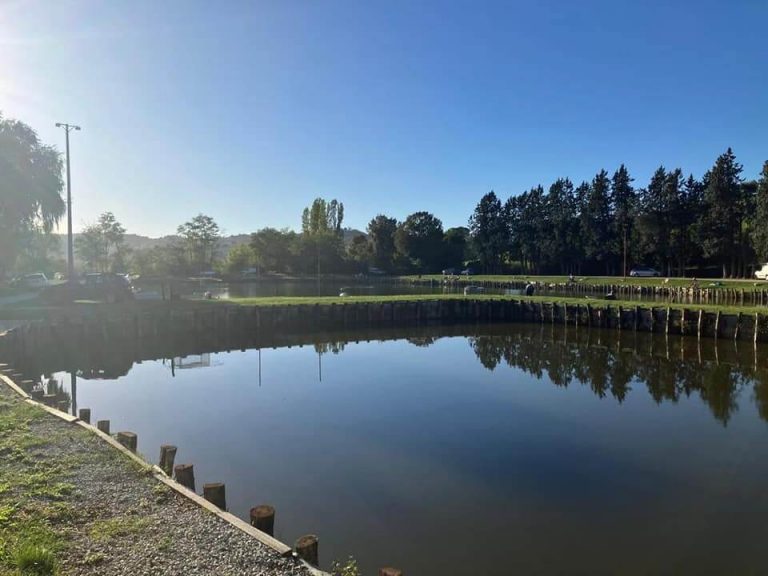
(30,188)
(457,246)
(381,236)
(760,221)
(359,252)
(723,212)
(200,237)
(321,244)
(274,248)
(102,245)
(239,258)
(420,239)
(488,230)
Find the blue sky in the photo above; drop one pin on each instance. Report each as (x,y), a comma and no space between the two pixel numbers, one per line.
(248,110)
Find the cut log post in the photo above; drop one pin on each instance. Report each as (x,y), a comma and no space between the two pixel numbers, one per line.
(103,425)
(699,323)
(263,518)
(216,494)
(85,415)
(185,475)
(757,328)
(129,440)
(167,456)
(717,325)
(306,549)
(390,572)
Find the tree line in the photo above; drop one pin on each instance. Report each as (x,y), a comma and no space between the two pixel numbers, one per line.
(677,224)
(715,225)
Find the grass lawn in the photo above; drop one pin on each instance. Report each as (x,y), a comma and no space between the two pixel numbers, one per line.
(36,311)
(597,280)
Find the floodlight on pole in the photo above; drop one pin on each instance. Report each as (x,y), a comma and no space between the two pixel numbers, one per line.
(70,245)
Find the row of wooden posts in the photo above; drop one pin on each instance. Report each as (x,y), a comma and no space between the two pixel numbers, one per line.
(262,517)
(683,294)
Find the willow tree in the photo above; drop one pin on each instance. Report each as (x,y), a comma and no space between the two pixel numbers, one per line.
(30,188)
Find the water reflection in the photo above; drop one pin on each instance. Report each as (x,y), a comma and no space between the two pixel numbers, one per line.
(610,364)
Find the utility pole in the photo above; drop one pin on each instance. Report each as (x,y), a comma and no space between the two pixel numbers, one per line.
(70,244)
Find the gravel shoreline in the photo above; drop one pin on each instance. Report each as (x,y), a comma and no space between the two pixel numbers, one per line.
(123,521)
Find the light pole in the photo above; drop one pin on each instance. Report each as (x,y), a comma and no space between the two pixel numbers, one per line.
(70,247)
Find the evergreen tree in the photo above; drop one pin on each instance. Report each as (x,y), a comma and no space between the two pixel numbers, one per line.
(561,215)
(487,228)
(760,222)
(722,215)
(624,203)
(596,222)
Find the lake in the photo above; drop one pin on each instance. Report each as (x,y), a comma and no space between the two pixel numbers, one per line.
(474,450)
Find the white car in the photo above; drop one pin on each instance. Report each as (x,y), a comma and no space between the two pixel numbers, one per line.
(762,274)
(644,272)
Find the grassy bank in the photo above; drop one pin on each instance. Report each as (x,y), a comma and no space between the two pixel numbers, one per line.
(32,311)
(595,280)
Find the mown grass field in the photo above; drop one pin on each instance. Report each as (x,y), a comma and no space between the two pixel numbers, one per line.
(32,311)
(595,280)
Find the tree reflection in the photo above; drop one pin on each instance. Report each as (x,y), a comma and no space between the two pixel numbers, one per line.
(612,370)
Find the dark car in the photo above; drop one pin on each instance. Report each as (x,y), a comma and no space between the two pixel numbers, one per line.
(104,287)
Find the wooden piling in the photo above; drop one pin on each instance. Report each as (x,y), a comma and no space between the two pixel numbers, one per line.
(103,425)
(699,323)
(185,475)
(306,549)
(128,439)
(717,325)
(85,415)
(167,456)
(216,494)
(263,518)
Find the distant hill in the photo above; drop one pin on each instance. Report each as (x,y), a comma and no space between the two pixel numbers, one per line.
(138,242)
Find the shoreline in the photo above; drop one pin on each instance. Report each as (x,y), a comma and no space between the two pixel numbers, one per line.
(97,508)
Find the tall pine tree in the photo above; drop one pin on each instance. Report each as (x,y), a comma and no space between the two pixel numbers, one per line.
(722,215)
(760,225)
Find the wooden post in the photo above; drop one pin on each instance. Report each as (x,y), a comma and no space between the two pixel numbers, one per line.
(167,456)
(306,549)
(699,323)
(717,325)
(757,327)
(128,439)
(85,415)
(216,494)
(263,518)
(185,475)
(390,572)
(103,425)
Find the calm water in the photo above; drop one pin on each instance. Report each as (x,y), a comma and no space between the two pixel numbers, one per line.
(522,450)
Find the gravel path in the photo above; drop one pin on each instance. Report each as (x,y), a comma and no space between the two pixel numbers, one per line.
(122,521)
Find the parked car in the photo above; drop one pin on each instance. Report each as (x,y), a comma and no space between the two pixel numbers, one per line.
(105,287)
(467,272)
(644,272)
(762,274)
(34,281)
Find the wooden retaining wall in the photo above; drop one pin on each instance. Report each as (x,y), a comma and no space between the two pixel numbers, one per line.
(752,295)
(259,324)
